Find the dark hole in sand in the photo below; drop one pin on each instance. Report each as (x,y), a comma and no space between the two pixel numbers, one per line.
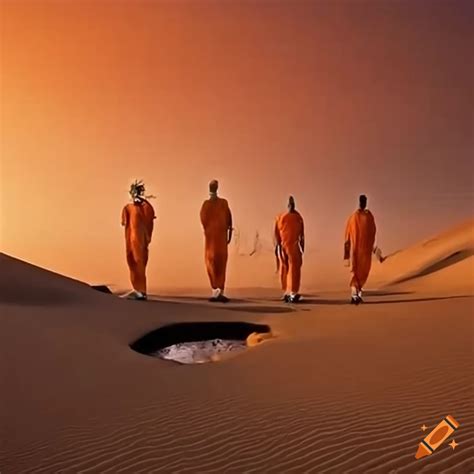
(200,341)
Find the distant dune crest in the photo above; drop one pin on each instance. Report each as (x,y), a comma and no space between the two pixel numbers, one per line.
(443,262)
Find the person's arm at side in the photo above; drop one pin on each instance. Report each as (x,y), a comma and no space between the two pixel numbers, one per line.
(347,242)
(277,239)
(151,221)
(124,217)
(373,229)
(276,233)
(230,229)
(302,240)
(203,214)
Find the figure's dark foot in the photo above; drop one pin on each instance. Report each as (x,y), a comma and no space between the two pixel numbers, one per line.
(356,300)
(222,299)
(212,299)
(285,298)
(294,298)
(137,296)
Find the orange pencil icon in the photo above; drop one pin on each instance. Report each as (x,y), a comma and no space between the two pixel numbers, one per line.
(445,428)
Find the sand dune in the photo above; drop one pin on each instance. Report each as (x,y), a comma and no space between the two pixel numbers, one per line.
(441,263)
(24,284)
(340,389)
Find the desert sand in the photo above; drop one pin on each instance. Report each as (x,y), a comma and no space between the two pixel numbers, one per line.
(339,389)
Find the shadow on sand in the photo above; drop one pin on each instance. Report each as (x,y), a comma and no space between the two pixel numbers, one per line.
(420,300)
(387,293)
(191,299)
(102,289)
(260,309)
(243,306)
(341,302)
(237,305)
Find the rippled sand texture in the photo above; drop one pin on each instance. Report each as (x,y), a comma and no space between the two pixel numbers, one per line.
(339,389)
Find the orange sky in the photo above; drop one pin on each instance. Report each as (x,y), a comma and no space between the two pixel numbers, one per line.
(323,99)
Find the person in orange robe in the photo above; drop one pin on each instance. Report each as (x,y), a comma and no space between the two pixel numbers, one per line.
(359,244)
(138,220)
(290,243)
(216,219)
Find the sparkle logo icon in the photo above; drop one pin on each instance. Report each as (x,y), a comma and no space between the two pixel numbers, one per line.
(436,438)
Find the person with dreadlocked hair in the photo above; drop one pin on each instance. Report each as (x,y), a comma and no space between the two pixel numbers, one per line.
(138,220)
(289,249)
(216,220)
(359,245)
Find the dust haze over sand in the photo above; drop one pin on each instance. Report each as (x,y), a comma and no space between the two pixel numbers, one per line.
(339,389)
(322,100)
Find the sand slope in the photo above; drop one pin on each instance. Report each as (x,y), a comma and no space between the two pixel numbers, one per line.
(341,389)
(442,263)
(25,284)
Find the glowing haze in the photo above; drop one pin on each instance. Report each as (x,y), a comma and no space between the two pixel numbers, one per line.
(323,100)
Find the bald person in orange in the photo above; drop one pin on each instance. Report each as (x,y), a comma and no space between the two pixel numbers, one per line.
(289,238)
(216,220)
(138,220)
(359,245)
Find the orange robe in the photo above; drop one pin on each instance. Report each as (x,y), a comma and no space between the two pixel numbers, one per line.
(289,231)
(216,220)
(138,222)
(359,245)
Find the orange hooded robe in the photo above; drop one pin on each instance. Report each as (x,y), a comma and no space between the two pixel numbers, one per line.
(289,232)
(138,219)
(359,245)
(216,220)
